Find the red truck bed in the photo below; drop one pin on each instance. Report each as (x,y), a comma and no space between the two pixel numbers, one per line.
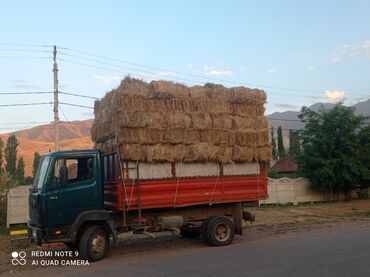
(180,192)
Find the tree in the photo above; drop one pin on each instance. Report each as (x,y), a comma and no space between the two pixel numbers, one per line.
(364,140)
(280,144)
(294,143)
(19,172)
(1,156)
(36,161)
(333,158)
(11,155)
(273,144)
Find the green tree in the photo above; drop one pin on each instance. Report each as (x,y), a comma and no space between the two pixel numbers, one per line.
(331,144)
(273,144)
(280,144)
(19,172)
(1,156)
(364,140)
(5,184)
(294,143)
(36,161)
(11,155)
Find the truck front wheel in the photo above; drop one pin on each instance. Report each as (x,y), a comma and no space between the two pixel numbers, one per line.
(94,243)
(219,231)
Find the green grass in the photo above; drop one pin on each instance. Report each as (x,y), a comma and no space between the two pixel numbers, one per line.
(6,231)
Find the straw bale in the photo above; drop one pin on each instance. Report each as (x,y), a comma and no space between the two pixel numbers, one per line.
(181,136)
(243,95)
(166,121)
(243,122)
(263,153)
(246,137)
(217,136)
(141,135)
(168,153)
(133,152)
(130,119)
(201,121)
(166,90)
(134,86)
(242,153)
(221,121)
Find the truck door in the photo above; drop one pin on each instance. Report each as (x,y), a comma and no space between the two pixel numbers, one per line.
(72,189)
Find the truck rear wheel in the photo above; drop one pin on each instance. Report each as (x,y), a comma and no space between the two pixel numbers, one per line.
(219,231)
(94,243)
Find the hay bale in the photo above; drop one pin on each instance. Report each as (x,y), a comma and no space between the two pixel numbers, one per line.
(217,137)
(201,121)
(243,153)
(166,121)
(222,121)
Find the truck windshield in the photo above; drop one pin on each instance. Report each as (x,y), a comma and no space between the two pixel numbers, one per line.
(41,173)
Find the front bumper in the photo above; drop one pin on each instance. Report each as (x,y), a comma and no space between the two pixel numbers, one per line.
(35,234)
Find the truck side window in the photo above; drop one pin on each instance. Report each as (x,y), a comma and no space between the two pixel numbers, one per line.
(70,171)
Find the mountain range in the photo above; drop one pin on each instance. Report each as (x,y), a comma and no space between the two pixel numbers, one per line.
(290,120)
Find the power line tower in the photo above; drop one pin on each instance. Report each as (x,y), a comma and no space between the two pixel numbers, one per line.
(56,102)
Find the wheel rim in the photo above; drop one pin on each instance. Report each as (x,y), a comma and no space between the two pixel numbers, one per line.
(222,232)
(98,244)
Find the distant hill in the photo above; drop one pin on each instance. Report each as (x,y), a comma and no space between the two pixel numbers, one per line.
(68,130)
(73,135)
(289,119)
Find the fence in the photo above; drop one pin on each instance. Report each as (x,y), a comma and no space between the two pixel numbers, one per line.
(17,207)
(287,190)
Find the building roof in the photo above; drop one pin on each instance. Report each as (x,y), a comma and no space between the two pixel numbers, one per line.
(285,164)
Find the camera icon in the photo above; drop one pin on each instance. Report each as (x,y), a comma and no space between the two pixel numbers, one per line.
(19,258)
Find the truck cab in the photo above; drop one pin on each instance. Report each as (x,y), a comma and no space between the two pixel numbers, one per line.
(67,193)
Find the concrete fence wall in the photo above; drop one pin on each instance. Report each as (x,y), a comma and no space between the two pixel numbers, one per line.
(287,190)
(17,207)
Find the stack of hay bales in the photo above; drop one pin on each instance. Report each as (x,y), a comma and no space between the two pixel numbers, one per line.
(163,121)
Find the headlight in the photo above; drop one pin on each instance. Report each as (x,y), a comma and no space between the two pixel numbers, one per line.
(34,234)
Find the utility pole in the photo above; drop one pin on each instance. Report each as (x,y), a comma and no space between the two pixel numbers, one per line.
(56,102)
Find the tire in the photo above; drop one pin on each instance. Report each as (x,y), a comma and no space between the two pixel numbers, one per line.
(190,233)
(219,231)
(94,243)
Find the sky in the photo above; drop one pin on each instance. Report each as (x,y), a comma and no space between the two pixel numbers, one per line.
(299,52)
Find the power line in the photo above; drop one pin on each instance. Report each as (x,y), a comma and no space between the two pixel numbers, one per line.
(25,123)
(25,44)
(25,104)
(79,95)
(151,73)
(188,74)
(24,57)
(25,92)
(133,69)
(71,125)
(26,50)
(76,105)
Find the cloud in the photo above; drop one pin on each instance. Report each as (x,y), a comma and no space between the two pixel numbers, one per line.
(218,73)
(334,95)
(106,79)
(311,67)
(166,73)
(272,70)
(212,71)
(347,52)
